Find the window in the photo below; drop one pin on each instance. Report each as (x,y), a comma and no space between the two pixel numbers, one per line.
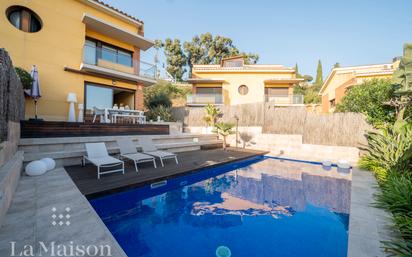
(332,103)
(209,90)
(277,91)
(243,89)
(97,96)
(24,19)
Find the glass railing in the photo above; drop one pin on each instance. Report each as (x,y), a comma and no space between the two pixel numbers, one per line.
(284,99)
(204,99)
(108,58)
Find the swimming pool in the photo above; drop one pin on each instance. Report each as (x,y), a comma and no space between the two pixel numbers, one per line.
(259,207)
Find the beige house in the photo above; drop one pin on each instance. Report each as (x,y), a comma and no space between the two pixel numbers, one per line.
(341,79)
(233,82)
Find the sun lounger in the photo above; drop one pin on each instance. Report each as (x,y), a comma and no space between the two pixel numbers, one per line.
(128,150)
(150,149)
(97,154)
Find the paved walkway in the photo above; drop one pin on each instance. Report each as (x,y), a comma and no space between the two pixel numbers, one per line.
(29,219)
(367,225)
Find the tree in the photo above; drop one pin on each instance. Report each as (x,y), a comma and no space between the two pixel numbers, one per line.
(224,129)
(319,74)
(209,49)
(402,79)
(369,98)
(175,58)
(336,65)
(25,77)
(211,114)
(297,71)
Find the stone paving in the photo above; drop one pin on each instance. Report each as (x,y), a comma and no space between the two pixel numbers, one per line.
(368,226)
(29,220)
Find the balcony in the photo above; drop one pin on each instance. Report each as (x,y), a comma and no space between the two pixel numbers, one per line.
(203,99)
(284,100)
(118,65)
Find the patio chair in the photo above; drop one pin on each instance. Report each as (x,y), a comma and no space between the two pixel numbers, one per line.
(128,150)
(150,149)
(98,112)
(97,154)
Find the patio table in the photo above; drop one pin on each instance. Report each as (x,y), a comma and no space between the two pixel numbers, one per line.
(132,113)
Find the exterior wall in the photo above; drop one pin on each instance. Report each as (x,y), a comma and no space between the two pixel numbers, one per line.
(58,44)
(253,80)
(325,103)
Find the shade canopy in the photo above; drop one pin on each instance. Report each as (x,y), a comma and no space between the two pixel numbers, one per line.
(35,86)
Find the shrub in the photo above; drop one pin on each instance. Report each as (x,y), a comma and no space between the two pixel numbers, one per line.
(162,111)
(369,98)
(388,149)
(25,77)
(396,196)
(158,99)
(224,129)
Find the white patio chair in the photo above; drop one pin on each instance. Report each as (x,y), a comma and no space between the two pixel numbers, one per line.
(150,149)
(98,112)
(97,155)
(128,150)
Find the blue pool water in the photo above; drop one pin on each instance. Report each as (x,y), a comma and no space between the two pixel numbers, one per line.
(259,207)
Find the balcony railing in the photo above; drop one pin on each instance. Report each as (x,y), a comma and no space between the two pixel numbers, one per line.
(284,99)
(111,59)
(204,99)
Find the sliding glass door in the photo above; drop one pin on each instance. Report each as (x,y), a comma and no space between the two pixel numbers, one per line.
(98,96)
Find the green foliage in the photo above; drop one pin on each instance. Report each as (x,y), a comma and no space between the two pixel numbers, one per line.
(175,58)
(336,65)
(396,196)
(25,77)
(224,129)
(402,79)
(162,111)
(369,98)
(310,93)
(158,99)
(389,149)
(307,78)
(203,49)
(211,114)
(319,74)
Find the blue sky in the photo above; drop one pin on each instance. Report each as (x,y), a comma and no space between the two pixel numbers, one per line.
(351,32)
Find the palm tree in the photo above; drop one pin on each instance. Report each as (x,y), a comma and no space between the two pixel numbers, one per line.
(212,113)
(224,129)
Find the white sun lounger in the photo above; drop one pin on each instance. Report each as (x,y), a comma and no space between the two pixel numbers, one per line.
(128,150)
(97,154)
(150,149)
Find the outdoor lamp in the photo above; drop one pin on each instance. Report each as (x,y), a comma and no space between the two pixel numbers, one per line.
(80,116)
(71,98)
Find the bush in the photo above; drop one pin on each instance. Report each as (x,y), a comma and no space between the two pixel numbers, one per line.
(369,98)
(162,111)
(396,196)
(388,149)
(158,99)
(25,77)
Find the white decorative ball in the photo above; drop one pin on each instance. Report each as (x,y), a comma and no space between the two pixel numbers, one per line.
(326,163)
(36,168)
(343,164)
(50,163)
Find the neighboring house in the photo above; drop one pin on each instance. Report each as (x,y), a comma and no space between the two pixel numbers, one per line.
(84,47)
(234,82)
(341,79)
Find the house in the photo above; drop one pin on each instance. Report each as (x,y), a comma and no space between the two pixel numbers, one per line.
(85,47)
(233,82)
(341,79)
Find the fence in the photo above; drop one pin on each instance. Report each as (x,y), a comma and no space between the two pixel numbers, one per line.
(11,95)
(341,129)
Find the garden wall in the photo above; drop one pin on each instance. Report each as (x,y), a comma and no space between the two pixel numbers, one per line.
(11,112)
(338,129)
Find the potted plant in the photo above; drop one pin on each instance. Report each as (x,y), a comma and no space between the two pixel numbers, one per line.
(211,115)
(224,129)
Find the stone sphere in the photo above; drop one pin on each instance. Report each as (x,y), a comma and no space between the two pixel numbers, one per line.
(343,164)
(36,168)
(50,163)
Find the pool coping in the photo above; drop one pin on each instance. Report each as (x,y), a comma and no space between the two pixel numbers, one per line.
(368,225)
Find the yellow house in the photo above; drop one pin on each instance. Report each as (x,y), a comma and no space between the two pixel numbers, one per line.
(233,82)
(85,47)
(341,79)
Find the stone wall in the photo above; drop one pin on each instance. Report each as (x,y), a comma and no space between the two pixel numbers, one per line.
(11,95)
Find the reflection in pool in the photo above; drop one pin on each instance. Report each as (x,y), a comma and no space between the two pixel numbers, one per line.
(261,207)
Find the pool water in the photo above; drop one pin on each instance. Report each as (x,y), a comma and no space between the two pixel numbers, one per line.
(259,207)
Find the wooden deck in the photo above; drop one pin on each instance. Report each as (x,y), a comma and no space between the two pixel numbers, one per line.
(86,177)
(43,129)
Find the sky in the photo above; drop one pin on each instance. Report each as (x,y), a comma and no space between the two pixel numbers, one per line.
(351,32)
